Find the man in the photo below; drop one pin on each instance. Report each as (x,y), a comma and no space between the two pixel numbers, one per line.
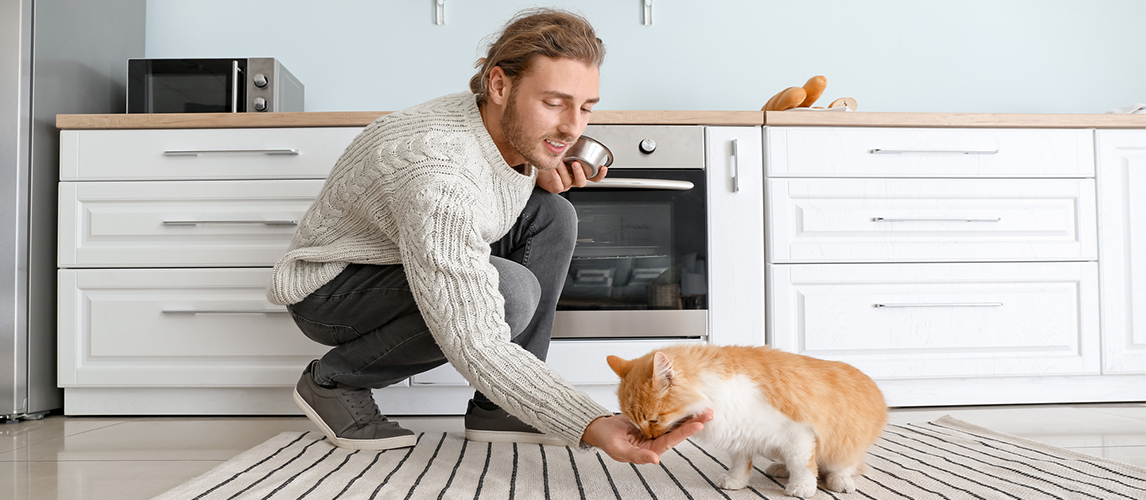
(439,237)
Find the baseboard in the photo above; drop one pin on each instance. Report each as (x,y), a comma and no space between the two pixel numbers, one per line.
(449,400)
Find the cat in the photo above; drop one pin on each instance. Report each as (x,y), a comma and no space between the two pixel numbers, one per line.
(811,417)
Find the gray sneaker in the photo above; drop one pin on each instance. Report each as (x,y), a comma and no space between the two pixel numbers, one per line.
(498,426)
(348,416)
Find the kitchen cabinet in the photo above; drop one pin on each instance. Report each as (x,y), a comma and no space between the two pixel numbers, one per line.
(1121,156)
(734,166)
(954,265)
(166,242)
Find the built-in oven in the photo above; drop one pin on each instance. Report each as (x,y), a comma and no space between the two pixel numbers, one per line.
(639,267)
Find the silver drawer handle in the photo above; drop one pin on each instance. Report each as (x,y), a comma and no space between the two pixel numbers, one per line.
(197,222)
(947,151)
(225,311)
(735,168)
(954,304)
(197,152)
(936,219)
(670,185)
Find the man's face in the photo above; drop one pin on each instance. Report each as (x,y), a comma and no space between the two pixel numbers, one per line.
(548,108)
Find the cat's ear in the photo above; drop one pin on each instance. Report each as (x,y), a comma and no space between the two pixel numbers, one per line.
(662,371)
(620,366)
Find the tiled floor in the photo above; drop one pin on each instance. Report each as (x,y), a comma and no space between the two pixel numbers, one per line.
(138,458)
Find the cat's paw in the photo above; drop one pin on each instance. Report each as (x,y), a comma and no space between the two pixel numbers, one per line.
(731,482)
(802,489)
(777,470)
(840,482)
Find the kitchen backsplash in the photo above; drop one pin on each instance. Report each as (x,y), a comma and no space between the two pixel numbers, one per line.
(1019,56)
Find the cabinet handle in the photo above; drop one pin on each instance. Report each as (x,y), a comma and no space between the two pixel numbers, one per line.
(225,311)
(197,222)
(197,152)
(953,304)
(947,151)
(735,168)
(936,219)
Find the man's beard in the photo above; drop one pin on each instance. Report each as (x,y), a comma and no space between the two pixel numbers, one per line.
(514,132)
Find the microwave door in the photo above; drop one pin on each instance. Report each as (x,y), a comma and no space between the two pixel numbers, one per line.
(186,85)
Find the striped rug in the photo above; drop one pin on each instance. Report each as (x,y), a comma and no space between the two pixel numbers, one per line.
(945,459)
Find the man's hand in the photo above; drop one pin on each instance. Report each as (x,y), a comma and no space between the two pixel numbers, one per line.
(560,179)
(621,440)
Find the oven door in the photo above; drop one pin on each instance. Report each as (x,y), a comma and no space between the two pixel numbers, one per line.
(638,269)
(186,85)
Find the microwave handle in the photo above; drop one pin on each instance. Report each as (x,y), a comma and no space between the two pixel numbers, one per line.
(234,86)
(629,183)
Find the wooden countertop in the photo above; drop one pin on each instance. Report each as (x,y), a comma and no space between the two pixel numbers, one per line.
(951,120)
(363,118)
(606,117)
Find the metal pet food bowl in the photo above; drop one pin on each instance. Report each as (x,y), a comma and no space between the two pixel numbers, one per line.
(591,153)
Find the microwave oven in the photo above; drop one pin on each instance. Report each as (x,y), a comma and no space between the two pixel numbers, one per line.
(251,85)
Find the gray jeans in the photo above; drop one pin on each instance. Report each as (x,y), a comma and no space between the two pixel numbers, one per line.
(369,317)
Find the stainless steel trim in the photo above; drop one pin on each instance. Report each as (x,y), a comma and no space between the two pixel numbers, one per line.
(225,311)
(197,222)
(235,86)
(735,168)
(197,152)
(953,151)
(936,219)
(954,304)
(625,324)
(627,183)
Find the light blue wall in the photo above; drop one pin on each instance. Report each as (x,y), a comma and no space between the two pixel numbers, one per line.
(975,56)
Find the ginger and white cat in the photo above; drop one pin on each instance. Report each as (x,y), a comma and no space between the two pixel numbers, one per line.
(810,416)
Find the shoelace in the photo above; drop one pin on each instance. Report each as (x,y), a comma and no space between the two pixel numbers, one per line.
(361,402)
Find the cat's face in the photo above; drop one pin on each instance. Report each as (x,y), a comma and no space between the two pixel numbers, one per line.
(652,394)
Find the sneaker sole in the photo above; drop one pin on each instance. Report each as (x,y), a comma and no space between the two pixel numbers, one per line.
(513,437)
(352,444)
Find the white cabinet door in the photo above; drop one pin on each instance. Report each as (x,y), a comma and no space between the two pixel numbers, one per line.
(735,235)
(904,321)
(176,328)
(1122,261)
(931,220)
(923,152)
(180,224)
(201,154)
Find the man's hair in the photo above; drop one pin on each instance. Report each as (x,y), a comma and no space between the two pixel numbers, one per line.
(537,32)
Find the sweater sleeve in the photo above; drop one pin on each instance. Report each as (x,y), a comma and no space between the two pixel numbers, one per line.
(456,289)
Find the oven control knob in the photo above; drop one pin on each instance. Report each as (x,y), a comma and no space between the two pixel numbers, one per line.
(261,80)
(647,146)
(260,104)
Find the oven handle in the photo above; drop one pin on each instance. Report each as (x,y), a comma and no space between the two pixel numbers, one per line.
(630,183)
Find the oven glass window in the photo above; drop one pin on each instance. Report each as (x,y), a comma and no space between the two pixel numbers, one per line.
(638,248)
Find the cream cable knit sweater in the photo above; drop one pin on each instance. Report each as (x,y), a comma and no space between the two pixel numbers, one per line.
(427,188)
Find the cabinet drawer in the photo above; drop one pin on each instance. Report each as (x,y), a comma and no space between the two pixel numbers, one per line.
(191,328)
(901,321)
(279,153)
(581,362)
(180,224)
(909,152)
(918,220)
